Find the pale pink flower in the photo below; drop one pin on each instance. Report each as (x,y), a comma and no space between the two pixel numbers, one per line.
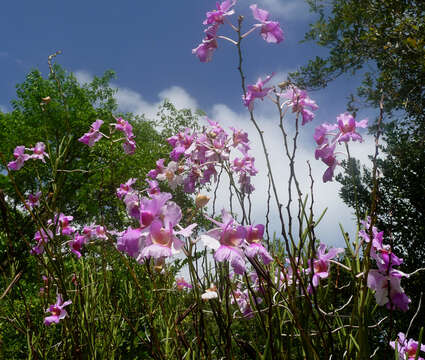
(270,30)
(347,127)
(39,152)
(256,91)
(57,310)
(94,135)
(20,158)
(205,50)
(223,10)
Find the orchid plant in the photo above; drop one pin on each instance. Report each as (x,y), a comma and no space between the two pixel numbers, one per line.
(236,277)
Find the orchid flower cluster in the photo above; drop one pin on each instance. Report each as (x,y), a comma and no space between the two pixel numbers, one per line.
(234,243)
(407,349)
(94,135)
(385,280)
(196,156)
(38,153)
(327,136)
(270,31)
(155,235)
(61,225)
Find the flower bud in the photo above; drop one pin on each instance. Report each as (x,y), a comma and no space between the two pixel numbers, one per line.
(201,200)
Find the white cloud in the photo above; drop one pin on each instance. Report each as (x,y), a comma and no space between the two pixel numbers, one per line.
(325,195)
(131,101)
(288,10)
(83,76)
(179,97)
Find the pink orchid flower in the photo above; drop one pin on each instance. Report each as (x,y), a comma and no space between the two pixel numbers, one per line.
(270,31)
(57,310)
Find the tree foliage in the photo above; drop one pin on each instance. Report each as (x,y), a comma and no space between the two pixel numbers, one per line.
(386,41)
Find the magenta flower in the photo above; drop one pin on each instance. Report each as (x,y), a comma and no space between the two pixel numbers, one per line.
(388,290)
(42,238)
(129,146)
(124,189)
(94,135)
(322,131)
(226,240)
(33,200)
(320,268)
(254,236)
(299,102)
(182,284)
(20,158)
(131,241)
(156,237)
(76,244)
(159,168)
(385,280)
(223,10)
(39,152)
(240,138)
(57,310)
(64,222)
(347,127)
(153,187)
(242,300)
(100,232)
(407,348)
(257,91)
(205,50)
(89,232)
(132,204)
(270,30)
(327,154)
(125,127)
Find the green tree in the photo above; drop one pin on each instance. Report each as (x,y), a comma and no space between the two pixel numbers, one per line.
(58,110)
(385,41)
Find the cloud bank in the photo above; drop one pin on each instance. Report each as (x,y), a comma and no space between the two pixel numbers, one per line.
(325,195)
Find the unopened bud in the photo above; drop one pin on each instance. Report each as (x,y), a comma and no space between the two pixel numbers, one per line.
(283,84)
(201,200)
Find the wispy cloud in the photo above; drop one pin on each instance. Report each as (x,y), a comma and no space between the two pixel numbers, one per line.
(286,9)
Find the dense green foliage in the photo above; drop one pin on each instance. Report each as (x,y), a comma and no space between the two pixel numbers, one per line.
(83,183)
(386,41)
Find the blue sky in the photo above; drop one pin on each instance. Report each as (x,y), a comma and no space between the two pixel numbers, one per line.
(149,46)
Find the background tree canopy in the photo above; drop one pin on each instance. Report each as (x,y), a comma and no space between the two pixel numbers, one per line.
(87,193)
(387,36)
